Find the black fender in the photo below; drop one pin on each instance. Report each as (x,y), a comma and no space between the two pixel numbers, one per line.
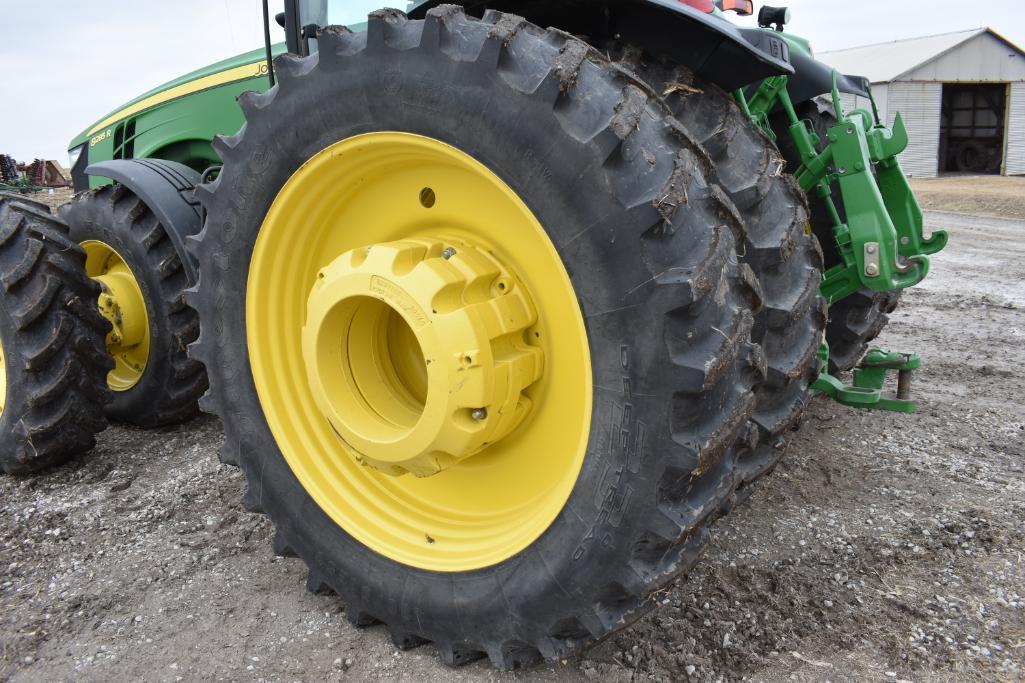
(166,188)
(707,44)
(813,78)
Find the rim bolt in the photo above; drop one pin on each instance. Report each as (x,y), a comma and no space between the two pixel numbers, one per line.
(448,253)
(479,414)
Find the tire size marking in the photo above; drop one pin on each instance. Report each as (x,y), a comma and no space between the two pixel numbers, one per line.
(623,446)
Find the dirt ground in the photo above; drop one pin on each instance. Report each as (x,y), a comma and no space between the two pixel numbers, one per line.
(884,548)
(54,197)
(978,195)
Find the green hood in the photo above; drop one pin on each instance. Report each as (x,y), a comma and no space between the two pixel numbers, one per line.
(206,77)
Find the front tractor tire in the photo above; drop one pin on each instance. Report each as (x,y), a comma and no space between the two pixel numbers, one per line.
(52,360)
(130,255)
(476,328)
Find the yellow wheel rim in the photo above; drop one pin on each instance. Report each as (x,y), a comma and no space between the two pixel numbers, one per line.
(3,378)
(391,272)
(121,302)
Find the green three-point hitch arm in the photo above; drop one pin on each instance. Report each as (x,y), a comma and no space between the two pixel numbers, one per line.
(881,243)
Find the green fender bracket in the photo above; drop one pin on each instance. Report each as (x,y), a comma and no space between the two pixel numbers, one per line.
(869,379)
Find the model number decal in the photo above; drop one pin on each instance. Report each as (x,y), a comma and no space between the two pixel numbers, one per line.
(97,139)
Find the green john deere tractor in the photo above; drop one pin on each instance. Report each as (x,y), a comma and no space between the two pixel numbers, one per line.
(498,318)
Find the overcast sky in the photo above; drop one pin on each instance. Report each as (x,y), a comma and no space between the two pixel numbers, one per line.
(67,63)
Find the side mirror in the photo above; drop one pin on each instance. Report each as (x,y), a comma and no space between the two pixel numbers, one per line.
(280,18)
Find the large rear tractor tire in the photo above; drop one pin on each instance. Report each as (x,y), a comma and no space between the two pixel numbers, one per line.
(476,329)
(785,258)
(129,253)
(855,321)
(52,359)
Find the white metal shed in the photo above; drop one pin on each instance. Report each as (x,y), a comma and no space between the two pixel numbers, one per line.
(962,95)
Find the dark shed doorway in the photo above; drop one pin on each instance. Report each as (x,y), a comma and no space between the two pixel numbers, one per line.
(972,128)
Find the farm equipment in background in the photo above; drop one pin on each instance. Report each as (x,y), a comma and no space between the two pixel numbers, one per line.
(8,170)
(14,180)
(39,175)
(46,174)
(498,319)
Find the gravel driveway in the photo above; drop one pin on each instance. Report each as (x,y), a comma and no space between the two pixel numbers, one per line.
(885,547)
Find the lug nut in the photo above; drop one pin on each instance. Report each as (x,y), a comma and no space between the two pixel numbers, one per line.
(448,253)
(479,414)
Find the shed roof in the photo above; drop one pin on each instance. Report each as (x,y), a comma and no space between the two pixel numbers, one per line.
(885,62)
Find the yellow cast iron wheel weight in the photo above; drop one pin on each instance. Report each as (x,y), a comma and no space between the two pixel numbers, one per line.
(419,352)
(121,302)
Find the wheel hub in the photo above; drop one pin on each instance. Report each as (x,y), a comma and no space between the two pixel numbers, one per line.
(433,360)
(376,215)
(122,304)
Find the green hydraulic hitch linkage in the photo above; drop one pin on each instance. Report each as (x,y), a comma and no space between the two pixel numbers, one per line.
(881,245)
(869,380)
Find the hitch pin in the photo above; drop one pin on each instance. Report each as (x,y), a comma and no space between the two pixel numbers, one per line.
(904,385)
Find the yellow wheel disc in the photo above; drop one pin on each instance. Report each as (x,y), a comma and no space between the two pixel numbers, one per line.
(3,378)
(419,352)
(121,302)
